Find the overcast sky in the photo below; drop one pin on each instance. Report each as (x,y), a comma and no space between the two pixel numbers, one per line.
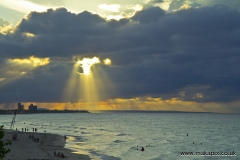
(165,54)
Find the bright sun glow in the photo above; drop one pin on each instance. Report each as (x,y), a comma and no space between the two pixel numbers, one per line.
(86,64)
(107,61)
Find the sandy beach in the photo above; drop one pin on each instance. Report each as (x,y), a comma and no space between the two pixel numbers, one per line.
(24,148)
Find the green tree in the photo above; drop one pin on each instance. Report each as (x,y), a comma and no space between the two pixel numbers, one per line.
(3,150)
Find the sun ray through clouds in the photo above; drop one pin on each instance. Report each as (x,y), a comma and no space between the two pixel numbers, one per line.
(105,85)
(88,88)
(87,83)
(70,92)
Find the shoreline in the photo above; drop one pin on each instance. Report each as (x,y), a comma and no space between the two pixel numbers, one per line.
(7,112)
(25,148)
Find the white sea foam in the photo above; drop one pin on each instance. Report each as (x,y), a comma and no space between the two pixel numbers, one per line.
(121,135)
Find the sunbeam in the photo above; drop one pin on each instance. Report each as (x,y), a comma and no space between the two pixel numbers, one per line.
(87,83)
(70,93)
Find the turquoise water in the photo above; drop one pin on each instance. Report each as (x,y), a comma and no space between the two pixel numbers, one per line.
(120,135)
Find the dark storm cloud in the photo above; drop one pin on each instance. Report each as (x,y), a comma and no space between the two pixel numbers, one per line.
(193,51)
(44,84)
(153,14)
(76,34)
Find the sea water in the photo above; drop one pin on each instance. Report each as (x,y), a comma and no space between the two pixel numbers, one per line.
(121,135)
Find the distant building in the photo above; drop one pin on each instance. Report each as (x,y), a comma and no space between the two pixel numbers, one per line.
(20,107)
(32,108)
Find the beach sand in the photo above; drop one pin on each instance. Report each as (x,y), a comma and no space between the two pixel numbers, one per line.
(25,149)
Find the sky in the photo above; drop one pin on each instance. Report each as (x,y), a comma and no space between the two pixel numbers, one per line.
(174,55)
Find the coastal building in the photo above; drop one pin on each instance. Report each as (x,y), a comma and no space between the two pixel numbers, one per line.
(32,108)
(20,107)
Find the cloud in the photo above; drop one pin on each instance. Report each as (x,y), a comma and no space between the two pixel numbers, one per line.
(149,15)
(116,17)
(137,7)
(176,4)
(157,1)
(154,1)
(4,23)
(110,7)
(192,52)
(34,61)
(5,26)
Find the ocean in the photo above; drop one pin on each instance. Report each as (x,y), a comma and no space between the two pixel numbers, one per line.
(121,135)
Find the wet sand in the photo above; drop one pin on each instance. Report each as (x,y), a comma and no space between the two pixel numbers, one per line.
(25,149)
